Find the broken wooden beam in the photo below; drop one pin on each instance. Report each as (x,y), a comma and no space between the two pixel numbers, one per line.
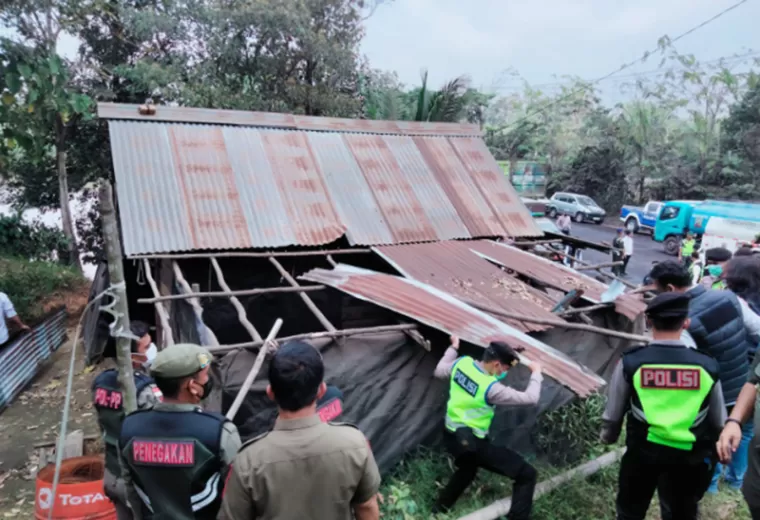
(598,266)
(194,302)
(537,242)
(308,301)
(227,294)
(590,308)
(242,316)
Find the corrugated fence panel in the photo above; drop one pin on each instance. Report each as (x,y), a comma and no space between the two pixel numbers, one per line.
(353,199)
(310,210)
(262,204)
(398,203)
(460,188)
(209,191)
(433,199)
(151,210)
(501,195)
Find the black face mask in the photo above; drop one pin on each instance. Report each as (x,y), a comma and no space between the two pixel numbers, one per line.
(208,386)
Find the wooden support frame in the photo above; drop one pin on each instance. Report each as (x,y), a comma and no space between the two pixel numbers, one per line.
(242,316)
(193,301)
(268,254)
(308,301)
(163,315)
(227,294)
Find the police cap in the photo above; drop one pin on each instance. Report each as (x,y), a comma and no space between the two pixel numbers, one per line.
(182,360)
(718,254)
(669,305)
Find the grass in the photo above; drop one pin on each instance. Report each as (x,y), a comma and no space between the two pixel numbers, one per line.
(31,284)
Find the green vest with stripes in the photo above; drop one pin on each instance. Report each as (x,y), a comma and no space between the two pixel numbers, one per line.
(670,399)
(468,406)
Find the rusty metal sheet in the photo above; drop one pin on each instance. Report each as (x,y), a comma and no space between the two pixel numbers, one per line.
(440,310)
(402,211)
(501,196)
(452,267)
(460,187)
(334,124)
(445,129)
(630,305)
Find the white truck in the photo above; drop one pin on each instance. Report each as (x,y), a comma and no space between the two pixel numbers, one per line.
(729,233)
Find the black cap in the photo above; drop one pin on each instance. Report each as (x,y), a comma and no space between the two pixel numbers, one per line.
(669,305)
(718,254)
(504,353)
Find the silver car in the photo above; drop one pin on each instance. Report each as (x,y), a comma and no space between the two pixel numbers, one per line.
(580,207)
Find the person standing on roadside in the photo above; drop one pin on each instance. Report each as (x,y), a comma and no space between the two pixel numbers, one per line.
(696,268)
(8,315)
(673,400)
(474,391)
(627,250)
(108,401)
(564,223)
(688,245)
(618,250)
(304,468)
(175,457)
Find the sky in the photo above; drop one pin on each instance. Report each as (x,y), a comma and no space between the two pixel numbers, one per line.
(546,39)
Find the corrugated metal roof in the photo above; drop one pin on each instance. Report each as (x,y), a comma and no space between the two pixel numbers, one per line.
(453,267)
(443,311)
(553,274)
(184,187)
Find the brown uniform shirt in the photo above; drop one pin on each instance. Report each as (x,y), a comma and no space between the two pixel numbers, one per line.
(304,469)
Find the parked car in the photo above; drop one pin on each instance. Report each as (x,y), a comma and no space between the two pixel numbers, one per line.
(641,218)
(580,207)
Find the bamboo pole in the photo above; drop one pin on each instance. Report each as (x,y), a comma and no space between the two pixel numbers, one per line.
(318,335)
(281,254)
(501,507)
(242,317)
(194,302)
(538,242)
(589,308)
(112,242)
(557,323)
(160,309)
(308,301)
(227,294)
(332,261)
(597,266)
(268,344)
(609,275)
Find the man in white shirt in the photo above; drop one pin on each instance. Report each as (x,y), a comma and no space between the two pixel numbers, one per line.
(8,315)
(563,223)
(627,249)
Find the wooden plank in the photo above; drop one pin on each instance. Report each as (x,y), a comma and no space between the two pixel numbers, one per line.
(242,317)
(308,301)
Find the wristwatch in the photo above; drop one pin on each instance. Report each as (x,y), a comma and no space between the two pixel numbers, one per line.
(731,419)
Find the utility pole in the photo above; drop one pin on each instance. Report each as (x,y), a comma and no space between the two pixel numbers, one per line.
(112,242)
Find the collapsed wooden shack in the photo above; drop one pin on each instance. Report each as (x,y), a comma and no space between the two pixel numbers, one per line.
(373,240)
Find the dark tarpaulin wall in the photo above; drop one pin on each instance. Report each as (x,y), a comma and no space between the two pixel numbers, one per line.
(391,395)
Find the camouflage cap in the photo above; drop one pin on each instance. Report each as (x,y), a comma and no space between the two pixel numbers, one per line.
(181,360)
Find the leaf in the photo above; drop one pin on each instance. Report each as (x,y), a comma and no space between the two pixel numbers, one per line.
(13,82)
(55,64)
(8,98)
(25,70)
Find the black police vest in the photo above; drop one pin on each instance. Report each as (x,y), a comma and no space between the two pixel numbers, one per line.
(108,401)
(174,459)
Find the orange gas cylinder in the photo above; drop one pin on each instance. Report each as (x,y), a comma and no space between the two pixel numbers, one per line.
(79,494)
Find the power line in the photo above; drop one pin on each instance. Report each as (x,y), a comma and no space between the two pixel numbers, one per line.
(654,72)
(627,65)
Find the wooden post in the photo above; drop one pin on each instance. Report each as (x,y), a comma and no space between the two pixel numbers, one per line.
(112,242)
(309,303)
(163,316)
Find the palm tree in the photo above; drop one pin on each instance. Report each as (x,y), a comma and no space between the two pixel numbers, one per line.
(444,105)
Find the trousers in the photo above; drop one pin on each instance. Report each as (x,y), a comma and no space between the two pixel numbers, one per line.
(470,454)
(116,491)
(680,480)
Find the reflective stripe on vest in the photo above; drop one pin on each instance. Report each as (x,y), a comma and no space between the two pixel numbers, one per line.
(467,406)
(671,398)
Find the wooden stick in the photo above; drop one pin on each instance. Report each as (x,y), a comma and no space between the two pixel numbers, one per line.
(254,370)
(112,243)
(557,323)
(160,309)
(231,254)
(194,302)
(538,242)
(225,294)
(242,317)
(332,262)
(589,308)
(597,266)
(317,335)
(609,275)
(309,303)
(501,507)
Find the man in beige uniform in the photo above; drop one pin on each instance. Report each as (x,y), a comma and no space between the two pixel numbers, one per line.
(304,469)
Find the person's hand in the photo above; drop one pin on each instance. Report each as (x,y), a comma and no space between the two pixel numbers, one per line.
(454,342)
(535,368)
(25,327)
(729,441)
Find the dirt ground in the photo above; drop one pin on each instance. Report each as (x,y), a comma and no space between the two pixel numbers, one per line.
(35,417)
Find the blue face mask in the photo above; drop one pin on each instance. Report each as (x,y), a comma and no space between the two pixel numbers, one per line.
(715,270)
(501,376)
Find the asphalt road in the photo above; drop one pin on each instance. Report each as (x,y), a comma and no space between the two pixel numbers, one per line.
(645,250)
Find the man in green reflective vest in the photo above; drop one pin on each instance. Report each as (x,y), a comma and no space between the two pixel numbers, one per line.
(474,391)
(675,409)
(687,248)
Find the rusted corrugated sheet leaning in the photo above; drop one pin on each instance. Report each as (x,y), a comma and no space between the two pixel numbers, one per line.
(554,274)
(20,359)
(255,180)
(438,309)
(453,267)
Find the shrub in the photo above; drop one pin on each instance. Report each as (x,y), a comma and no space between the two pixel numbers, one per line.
(30,240)
(29,284)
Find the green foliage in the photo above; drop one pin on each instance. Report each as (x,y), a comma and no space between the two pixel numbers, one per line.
(399,504)
(33,241)
(29,284)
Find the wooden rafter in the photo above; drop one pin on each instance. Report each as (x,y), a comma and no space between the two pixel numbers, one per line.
(194,302)
(163,315)
(308,301)
(227,294)
(242,316)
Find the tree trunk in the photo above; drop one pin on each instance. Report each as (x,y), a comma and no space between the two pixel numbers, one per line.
(63,189)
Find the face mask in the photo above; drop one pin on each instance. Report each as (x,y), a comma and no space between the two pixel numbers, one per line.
(146,360)
(501,377)
(207,387)
(715,270)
